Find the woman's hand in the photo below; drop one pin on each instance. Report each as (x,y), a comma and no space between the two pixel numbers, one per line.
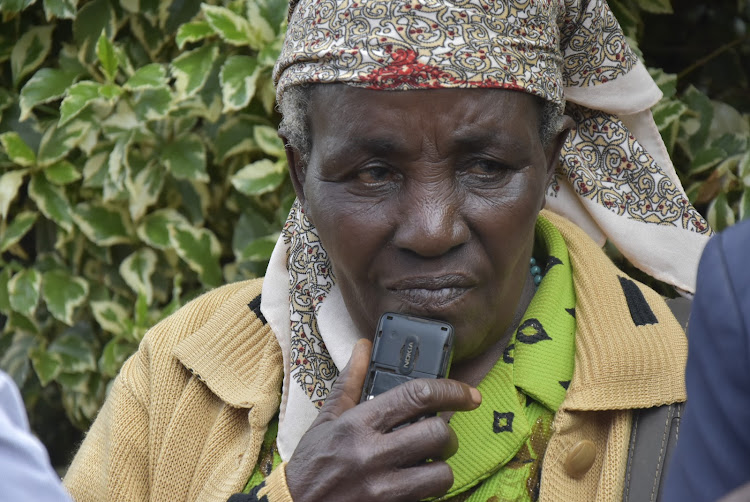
(351,452)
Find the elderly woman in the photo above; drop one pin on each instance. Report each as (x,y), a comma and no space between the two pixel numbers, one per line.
(423,139)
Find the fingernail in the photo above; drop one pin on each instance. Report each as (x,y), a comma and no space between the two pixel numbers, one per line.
(476,396)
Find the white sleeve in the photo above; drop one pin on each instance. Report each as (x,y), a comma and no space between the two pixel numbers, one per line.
(24,463)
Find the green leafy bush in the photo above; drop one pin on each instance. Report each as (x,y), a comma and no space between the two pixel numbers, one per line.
(140,166)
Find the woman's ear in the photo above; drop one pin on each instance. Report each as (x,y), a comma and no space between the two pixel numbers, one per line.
(296,167)
(553,149)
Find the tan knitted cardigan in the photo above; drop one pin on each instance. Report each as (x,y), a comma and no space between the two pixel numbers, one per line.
(186,416)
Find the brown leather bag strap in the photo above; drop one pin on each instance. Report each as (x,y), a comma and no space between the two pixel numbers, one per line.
(653,436)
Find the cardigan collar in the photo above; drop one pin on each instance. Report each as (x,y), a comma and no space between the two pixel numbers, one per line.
(236,355)
(630,351)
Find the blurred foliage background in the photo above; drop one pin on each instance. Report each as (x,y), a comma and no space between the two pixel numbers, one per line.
(139,166)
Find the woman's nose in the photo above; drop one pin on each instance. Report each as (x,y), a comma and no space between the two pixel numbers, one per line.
(430,226)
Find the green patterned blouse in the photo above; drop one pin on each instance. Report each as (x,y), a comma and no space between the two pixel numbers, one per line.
(502,443)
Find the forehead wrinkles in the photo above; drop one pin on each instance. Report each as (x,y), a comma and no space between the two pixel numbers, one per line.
(436,122)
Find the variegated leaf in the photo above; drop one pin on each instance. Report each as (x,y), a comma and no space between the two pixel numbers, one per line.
(4,299)
(23,291)
(185,158)
(110,91)
(30,51)
(744,211)
(152,104)
(114,183)
(266,93)
(238,77)
(191,69)
(270,52)
(248,228)
(122,121)
(200,249)
(720,214)
(260,249)
(95,170)
(702,108)
(743,169)
(104,225)
(94,16)
(6,99)
(154,228)
(273,11)
(111,316)
(15,361)
(15,6)
(144,189)
(151,76)
(137,269)
(105,52)
(19,226)
(133,6)
(51,201)
(75,352)
(260,32)
(62,172)
(232,28)
(63,293)
(193,32)
(667,82)
(17,150)
(47,366)
(260,177)
(667,112)
(235,136)
(79,95)
(59,140)
(61,9)
(22,324)
(114,355)
(149,34)
(268,140)
(10,182)
(706,159)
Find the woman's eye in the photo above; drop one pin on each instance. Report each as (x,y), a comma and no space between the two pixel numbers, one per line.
(486,167)
(374,175)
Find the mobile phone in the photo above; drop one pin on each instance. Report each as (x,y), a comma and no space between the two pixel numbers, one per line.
(407,347)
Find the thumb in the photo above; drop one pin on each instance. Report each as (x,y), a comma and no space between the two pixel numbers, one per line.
(347,390)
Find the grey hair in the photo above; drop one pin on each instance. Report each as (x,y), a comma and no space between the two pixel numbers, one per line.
(295,122)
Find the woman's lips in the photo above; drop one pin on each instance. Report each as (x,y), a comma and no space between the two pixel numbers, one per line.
(429,293)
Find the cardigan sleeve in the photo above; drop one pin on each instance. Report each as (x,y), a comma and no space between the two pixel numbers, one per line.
(272,489)
(113,461)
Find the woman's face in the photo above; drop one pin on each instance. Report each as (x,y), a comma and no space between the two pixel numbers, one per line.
(426,202)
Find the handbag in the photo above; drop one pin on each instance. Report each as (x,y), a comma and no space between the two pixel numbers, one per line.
(653,436)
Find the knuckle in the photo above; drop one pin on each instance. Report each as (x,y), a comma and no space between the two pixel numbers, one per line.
(419,393)
(374,489)
(444,477)
(436,430)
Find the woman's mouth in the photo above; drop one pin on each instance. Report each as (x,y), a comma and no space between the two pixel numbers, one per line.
(431,293)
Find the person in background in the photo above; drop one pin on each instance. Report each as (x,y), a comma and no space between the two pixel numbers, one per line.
(713,455)
(24,464)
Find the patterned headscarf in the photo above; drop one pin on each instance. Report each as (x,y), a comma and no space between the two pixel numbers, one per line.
(615,178)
